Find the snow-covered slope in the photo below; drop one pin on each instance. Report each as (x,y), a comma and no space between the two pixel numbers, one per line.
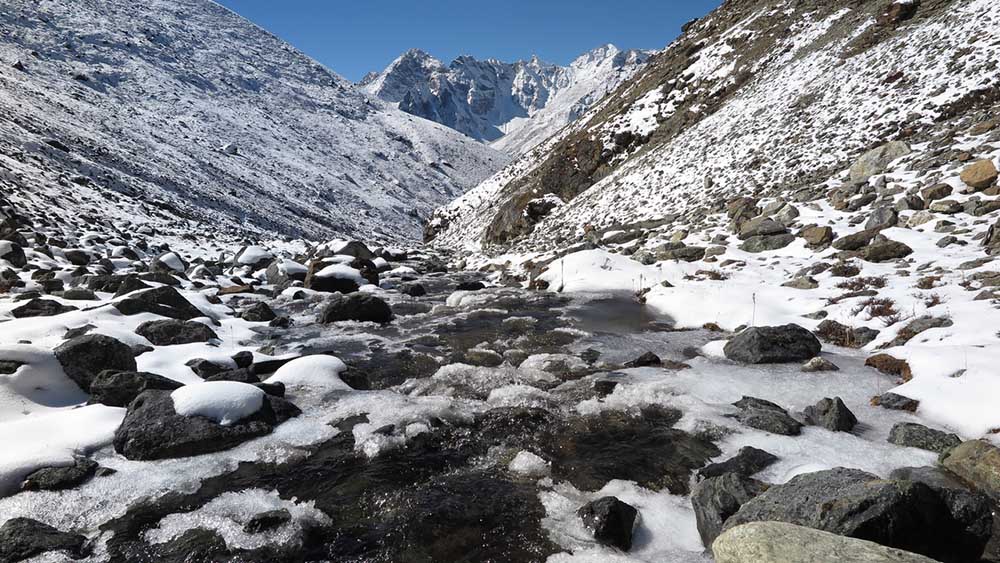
(758,95)
(512,105)
(121,110)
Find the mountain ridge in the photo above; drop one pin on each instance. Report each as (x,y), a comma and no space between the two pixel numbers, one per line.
(512,106)
(145,98)
(803,73)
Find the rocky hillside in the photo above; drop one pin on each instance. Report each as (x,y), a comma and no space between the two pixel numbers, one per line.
(758,97)
(166,111)
(513,106)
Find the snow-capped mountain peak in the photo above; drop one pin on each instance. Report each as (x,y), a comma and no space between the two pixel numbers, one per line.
(512,105)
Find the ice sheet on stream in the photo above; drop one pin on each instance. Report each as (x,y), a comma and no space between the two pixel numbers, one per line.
(229,512)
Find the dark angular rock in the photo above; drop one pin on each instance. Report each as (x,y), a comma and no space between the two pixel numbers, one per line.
(280,322)
(413,289)
(60,478)
(766,416)
(164,301)
(78,257)
(716,499)
(915,435)
(773,344)
(276,389)
(855,241)
(259,312)
(971,510)
(884,251)
(79,294)
(204,368)
(882,218)
(646,360)
(41,308)
(243,359)
(892,401)
(128,285)
(902,514)
(13,253)
(23,538)
(243,375)
(471,286)
(84,357)
(761,227)
(831,414)
(748,461)
(153,430)
(172,332)
(610,520)
(766,243)
(119,388)
(356,307)
(333,285)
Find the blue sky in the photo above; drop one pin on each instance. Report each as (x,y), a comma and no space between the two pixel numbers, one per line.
(353,37)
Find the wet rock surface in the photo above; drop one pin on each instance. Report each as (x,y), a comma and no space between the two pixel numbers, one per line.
(22,538)
(766,345)
(902,514)
(610,520)
(152,429)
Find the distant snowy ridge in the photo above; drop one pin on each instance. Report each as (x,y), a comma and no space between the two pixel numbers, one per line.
(179,111)
(513,106)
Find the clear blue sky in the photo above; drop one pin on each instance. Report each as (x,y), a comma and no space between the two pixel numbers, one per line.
(353,37)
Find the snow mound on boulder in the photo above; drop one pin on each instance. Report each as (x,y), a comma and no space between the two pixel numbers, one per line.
(342,272)
(225,402)
(312,371)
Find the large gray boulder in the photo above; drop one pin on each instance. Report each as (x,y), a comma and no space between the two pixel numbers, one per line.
(773,345)
(761,226)
(361,307)
(978,463)
(170,332)
(717,498)
(907,515)
(40,308)
(164,301)
(876,160)
(886,250)
(779,542)
(915,435)
(765,243)
(767,416)
(84,357)
(60,478)
(119,388)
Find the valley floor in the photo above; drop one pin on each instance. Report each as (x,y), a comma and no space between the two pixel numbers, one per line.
(473,426)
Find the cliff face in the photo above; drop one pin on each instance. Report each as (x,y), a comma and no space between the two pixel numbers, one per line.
(756,97)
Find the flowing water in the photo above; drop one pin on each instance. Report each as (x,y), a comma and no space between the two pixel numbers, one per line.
(415,464)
